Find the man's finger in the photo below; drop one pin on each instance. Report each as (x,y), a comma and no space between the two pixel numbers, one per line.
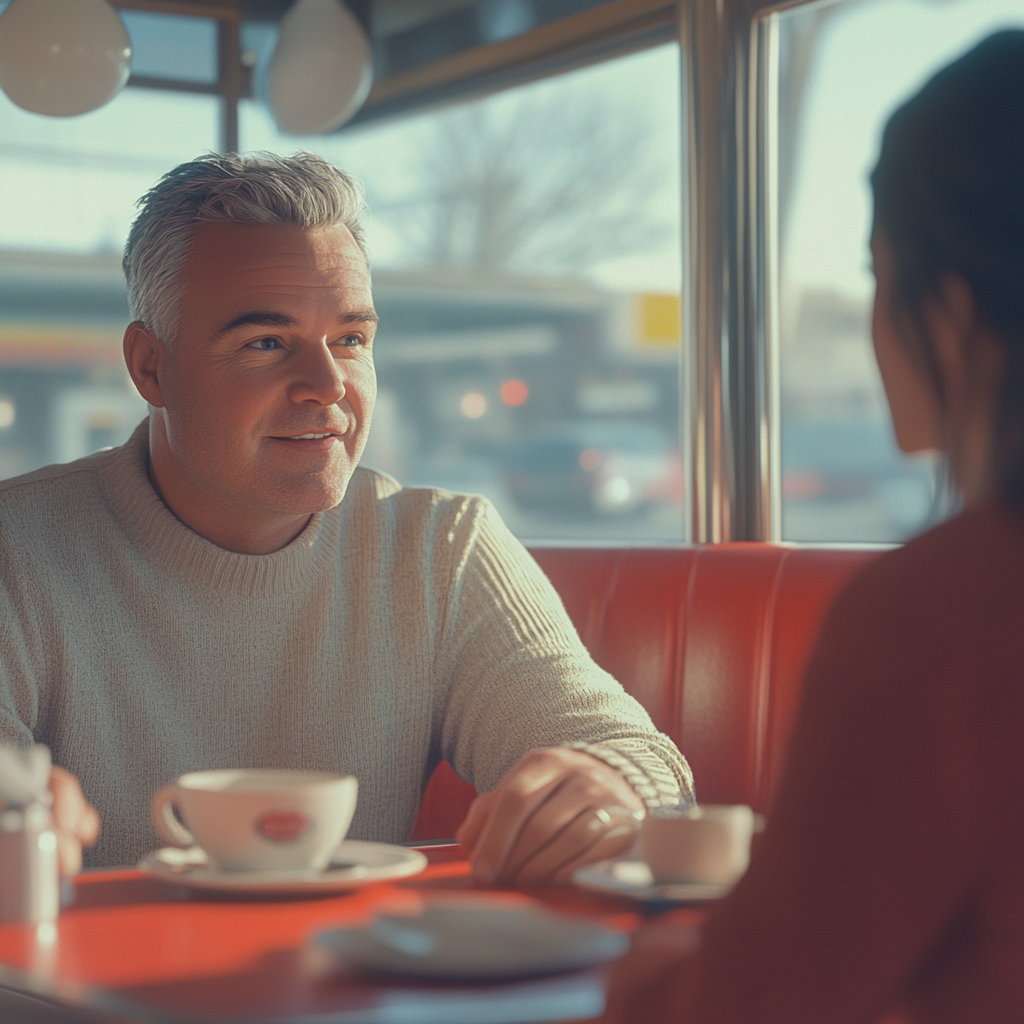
(72,813)
(596,833)
(557,812)
(517,798)
(581,792)
(69,854)
(479,810)
(76,822)
(88,825)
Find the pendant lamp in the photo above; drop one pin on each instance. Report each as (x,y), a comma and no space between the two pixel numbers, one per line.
(62,57)
(321,69)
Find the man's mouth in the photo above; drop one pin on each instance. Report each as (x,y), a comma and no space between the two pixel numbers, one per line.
(311,436)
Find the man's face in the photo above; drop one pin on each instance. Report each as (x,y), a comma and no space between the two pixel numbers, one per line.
(275,344)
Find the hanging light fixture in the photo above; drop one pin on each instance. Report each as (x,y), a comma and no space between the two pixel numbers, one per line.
(321,69)
(62,57)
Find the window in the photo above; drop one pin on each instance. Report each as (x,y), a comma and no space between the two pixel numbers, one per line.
(527,274)
(845,67)
(67,194)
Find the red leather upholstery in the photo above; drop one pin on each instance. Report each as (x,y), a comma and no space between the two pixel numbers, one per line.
(712,640)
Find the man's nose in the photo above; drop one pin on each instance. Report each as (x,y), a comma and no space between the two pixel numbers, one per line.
(319,376)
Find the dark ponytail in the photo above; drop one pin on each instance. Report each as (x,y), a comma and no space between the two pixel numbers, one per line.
(949,197)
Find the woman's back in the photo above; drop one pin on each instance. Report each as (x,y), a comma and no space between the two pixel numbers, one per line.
(893,870)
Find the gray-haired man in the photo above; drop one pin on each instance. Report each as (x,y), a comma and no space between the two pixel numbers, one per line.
(228,590)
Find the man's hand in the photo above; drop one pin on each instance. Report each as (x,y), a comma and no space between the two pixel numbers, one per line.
(556,810)
(75,820)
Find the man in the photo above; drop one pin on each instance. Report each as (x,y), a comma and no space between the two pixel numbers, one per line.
(229,590)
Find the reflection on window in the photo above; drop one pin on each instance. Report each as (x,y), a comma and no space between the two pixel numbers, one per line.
(411,35)
(844,69)
(526,270)
(67,193)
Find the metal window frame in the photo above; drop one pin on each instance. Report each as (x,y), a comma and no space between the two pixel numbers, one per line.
(730,374)
(231,81)
(612,29)
(730,380)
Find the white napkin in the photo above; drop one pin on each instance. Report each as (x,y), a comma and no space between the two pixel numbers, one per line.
(24,774)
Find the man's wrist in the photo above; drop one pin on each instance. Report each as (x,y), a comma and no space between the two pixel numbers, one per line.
(656,794)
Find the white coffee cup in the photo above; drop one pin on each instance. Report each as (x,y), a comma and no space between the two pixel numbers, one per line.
(707,844)
(254,819)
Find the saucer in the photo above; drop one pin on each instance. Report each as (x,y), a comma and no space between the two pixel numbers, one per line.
(354,864)
(633,878)
(475,939)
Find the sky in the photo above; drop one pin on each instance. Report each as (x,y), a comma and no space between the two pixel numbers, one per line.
(874,56)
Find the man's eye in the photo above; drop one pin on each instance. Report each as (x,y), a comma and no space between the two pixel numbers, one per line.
(352,340)
(264,344)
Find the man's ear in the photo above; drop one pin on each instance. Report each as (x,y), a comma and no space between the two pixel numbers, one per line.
(146,356)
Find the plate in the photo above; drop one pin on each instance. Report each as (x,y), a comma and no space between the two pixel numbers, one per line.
(475,939)
(633,878)
(354,864)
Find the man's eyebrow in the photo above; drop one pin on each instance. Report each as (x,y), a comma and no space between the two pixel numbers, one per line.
(265,318)
(360,316)
(258,318)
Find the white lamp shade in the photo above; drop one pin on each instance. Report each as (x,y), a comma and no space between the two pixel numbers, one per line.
(321,70)
(62,57)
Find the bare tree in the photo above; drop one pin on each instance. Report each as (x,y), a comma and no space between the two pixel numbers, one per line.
(551,181)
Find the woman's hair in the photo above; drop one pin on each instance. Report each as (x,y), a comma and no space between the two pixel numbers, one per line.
(949,198)
(261,188)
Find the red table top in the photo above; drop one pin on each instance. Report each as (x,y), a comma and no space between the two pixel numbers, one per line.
(134,946)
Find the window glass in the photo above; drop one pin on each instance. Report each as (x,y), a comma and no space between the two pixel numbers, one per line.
(845,67)
(527,272)
(171,46)
(67,192)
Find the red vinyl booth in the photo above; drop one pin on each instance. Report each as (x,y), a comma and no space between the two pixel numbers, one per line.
(712,640)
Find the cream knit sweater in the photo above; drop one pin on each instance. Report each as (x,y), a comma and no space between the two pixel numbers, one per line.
(403,626)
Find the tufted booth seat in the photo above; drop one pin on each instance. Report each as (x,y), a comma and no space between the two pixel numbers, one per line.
(712,640)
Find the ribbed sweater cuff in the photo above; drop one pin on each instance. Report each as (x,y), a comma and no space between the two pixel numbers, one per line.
(658,792)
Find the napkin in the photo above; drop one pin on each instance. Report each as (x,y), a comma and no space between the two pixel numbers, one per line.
(24,775)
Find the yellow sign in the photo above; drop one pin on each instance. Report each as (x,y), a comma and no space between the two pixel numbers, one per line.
(659,320)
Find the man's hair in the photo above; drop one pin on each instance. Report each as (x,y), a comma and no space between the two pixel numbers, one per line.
(261,188)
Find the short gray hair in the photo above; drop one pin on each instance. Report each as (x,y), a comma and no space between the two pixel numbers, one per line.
(260,188)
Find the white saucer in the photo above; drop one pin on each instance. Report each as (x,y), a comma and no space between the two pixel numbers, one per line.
(633,878)
(475,939)
(354,864)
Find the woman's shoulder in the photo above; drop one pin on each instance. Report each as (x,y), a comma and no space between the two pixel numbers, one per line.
(977,555)
(949,601)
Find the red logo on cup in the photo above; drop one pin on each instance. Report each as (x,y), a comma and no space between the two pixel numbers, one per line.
(283,826)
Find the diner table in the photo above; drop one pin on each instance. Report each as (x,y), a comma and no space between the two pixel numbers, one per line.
(131,948)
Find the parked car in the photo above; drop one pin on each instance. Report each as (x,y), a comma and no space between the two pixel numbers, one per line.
(852,469)
(601,467)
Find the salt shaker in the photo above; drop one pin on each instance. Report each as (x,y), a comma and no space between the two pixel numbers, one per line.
(29,871)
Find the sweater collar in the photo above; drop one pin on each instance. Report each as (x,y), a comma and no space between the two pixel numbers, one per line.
(182,553)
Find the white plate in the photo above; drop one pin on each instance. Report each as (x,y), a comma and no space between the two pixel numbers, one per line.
(354,864)
(633,878)
(475,939)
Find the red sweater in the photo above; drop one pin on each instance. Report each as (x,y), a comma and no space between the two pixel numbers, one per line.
(891,875)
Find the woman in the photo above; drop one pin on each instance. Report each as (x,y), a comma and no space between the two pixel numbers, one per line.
(890,881)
